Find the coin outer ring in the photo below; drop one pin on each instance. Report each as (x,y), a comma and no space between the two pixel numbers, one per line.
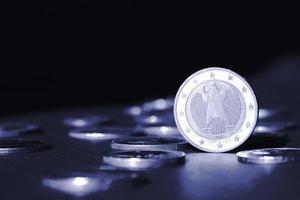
(245,157)
(215,145)
(144,163)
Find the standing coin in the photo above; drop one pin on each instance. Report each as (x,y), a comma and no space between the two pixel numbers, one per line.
(215,110)
(141,160)
(148,143)
(269,156)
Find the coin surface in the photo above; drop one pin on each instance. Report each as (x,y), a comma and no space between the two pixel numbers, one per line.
(86,121)
(99,134)
(138,160)
(22,146)
(148,143)
(269,156)
(215,110)
(17,129)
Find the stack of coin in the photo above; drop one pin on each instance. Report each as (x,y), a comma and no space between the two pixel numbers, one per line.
(22,146)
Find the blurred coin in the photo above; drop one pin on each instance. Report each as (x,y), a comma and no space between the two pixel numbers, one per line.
(134,110)
(215,110)
(269,134)
(155,119)
(141,160)
(17,129)
(265,113)
(83,184)
(86,121)
(99,134)
(159,104)
(162,131)
(22,146)
(263,127)
(269,156)
(148,143)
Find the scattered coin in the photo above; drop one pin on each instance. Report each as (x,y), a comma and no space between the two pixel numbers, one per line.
(160,104)
(162,131)
(269,156)
(148,143)
(141,160)
(262,127)
(265,113)
(86,121)
(269,134)
(155,119)
(215,110)
(17,129)
(100,134)
(134,110)
(22,146)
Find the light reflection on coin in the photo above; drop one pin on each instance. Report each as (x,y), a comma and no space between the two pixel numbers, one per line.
(141,160)
(100,134)
(86,121)
(160,104)
(262,127)
(162,131)
(155,119)
(269,156)
(215,110)
(148,143)
(134,110)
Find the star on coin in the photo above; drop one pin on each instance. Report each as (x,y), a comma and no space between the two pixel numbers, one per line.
(181,113)
(188,130)
(248,124)
(230,77)
(184,95)
(195,81)
(236,138)
(212,75)
(251,107)
(201,142)
(244,90)
(220,145)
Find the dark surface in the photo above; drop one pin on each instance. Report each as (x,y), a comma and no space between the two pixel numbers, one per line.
(71,52)
(202,176)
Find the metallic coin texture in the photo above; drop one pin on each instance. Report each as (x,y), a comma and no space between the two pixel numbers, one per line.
(85,121)
(148,143)
(141,160)
(22,146)
(215,110)
(100,134)
(17,129)
(269,156)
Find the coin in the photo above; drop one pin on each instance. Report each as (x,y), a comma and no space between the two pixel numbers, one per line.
(99,134)
(134,110)
(141,160)
(162,131)
(269,156)
(155,119)
(17,129)
(148,143)
(86,121)
(159,104)
(215,110)
(22,146)
(265,113)
(262,127)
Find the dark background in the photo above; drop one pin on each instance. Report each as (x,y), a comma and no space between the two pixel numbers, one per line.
(66,53)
